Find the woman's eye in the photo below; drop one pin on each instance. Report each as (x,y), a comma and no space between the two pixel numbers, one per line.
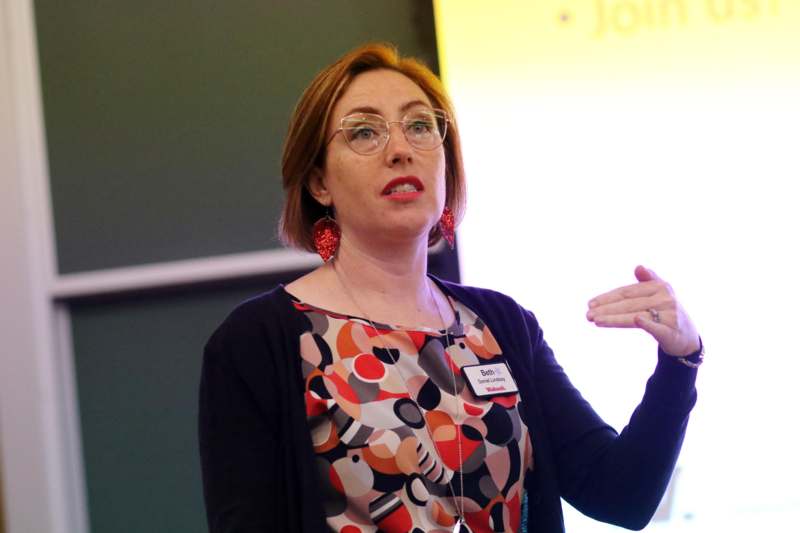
(420,126)
(362,133)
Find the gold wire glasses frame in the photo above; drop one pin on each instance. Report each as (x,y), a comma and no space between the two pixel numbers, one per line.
(368,133)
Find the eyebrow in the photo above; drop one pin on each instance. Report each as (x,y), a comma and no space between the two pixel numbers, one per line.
(369,109)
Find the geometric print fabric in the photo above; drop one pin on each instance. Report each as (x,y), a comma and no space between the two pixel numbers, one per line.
(368,402)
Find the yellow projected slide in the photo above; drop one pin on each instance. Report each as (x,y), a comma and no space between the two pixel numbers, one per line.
(634,38)
(600,134)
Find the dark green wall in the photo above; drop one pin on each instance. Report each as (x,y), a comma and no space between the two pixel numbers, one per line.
(164,123)
(137,362)
(165,120)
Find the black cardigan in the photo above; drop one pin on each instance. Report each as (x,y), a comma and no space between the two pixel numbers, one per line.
(258,462)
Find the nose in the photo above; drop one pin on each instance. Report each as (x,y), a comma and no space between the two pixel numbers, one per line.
(397,150)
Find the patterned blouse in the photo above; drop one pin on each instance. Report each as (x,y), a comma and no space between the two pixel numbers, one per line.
(383,416)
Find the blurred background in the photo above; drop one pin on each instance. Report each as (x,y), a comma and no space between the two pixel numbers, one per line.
(140,194)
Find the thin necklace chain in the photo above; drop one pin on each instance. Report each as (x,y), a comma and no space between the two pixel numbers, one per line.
(448,340)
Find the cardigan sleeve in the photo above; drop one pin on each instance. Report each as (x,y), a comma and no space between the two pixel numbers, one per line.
(239,427)
(615,478)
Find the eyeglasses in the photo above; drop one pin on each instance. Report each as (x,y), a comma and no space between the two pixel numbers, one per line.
(368,133)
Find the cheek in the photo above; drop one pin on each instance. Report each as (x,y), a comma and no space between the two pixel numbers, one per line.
(334,165)
(347,177)
(337,170)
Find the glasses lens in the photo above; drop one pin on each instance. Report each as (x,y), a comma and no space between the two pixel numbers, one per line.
(367,134)
(364,133)
(425,128)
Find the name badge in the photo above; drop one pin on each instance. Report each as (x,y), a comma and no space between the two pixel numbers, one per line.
(486,381)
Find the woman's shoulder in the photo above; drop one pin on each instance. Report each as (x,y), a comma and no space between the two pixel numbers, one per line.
(261,307)
(269,312)
(497,309)
(480,296)
(255,336)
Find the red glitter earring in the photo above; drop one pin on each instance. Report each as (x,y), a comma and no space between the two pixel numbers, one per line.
(326,235)
(447,225)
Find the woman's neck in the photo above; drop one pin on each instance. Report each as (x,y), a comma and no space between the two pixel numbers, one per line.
(395,274)
(386,284)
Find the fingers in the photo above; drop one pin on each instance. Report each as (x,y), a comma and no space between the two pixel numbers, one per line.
(629,320)
(622,320)
(637,290)
(649,284)
(645,274)
(630,305)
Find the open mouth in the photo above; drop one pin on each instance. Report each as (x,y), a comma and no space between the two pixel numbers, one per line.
(405,184)
(403,187)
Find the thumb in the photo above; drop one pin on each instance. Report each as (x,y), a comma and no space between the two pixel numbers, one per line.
(645,274)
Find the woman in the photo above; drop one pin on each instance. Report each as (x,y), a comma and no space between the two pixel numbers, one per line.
(369,396)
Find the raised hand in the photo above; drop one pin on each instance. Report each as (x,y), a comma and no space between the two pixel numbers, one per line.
(650,305)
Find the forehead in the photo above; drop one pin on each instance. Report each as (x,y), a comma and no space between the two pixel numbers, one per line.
(387,91)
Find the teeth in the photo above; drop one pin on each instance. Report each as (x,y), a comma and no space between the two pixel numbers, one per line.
(403,187)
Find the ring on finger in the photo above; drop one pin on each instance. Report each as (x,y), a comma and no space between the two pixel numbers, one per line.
(654,314)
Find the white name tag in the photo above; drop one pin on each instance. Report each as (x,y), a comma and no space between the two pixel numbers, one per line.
(486,381)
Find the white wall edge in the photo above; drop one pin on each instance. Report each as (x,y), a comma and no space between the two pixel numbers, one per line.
(70,448)
(34,469)
(182,272)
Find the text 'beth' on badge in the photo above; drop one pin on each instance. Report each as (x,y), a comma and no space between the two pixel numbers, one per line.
(486,381)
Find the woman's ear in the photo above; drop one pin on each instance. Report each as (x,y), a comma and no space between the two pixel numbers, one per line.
(316,186)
